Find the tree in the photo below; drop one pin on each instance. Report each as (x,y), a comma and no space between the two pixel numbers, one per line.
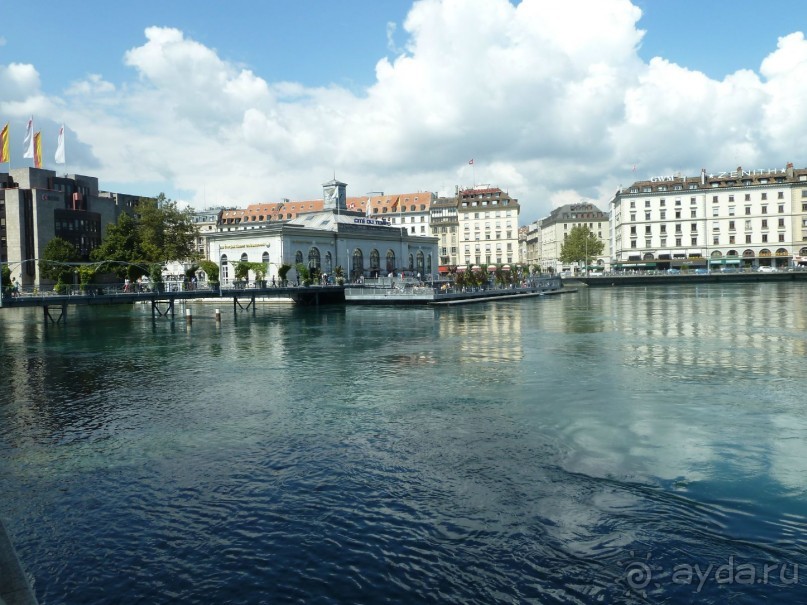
(581,245)
(211,269)
(122,245)
(59,260)
(166,232)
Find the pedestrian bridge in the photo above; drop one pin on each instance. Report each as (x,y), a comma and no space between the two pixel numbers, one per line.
(162,303)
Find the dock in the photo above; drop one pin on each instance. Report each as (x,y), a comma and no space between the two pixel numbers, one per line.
(390,292)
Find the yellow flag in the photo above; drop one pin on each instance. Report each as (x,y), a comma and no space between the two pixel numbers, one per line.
(4,157)
(38,150)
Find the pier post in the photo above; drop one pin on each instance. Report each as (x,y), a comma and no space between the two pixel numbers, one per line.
(188,317)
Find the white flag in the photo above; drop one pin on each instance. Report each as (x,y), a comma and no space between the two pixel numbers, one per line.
(28,144)
(59,157)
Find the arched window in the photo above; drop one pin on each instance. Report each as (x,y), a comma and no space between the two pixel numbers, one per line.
(803,252)
(781,252)
(375,260)
(731,253)
(390,261)
(411,262)
(764,252)
(265,257)
(328,262)
(298,257)
(224,269)
(244,258)
(648,256)
(717,254)
(313,258)
(357,268)
(748,253)
(421,266)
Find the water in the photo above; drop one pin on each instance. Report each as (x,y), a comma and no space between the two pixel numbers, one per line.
(616,445)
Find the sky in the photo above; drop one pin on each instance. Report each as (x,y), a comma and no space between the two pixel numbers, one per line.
(556,101)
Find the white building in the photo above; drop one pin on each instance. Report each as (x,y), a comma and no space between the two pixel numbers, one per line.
(488,226)
(738,218)
(334,236)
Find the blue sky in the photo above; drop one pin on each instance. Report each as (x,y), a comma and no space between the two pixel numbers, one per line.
(556,100)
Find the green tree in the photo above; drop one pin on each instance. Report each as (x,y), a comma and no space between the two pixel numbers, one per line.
(165,231)
(581,245)
(58,261)
(211,269)
(122,246)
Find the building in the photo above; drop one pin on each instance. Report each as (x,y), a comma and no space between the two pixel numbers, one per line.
(334,235)
(733,219)
(556,228)
(532,245)
(206,222)
(445,225)
(36,206)
(488,226)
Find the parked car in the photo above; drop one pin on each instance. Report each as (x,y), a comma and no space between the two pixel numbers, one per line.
(729,270)
(672,271)
(766,269)
(701,271)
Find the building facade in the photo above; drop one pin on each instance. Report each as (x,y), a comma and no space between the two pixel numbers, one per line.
(726,220)
(556,228)
(335,235)
(445,225)
(36,206)
(488,226)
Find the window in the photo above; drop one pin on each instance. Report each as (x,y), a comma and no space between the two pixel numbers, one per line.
(664,228)
(693,201)
(715,226)
(780,195)
(781,208)
(647,229)
(716,240)
(748,238)
(765,209)
(633,203)
(747,197)
(764,238)
(678,227)
(781,223)
(647,216)
(764,223)
(678,242)
(663,214)
(678,201)
(693,228)
(731,239)
(663,202)
(715,211)
(693,213)
(663,241)
(731,225)
(764,195)
(632,216)
(714,199)
(647,203)
(781,237)
(748,225)
(747,210)
(677,214)
(731,198)
(731,210)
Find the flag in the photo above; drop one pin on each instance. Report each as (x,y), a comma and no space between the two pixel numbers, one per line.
(59,157)
(4,157)
(368,209)
(38,150)
(28,143)
(395,204)
(471,161)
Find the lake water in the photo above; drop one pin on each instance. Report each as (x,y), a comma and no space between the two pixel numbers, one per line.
(606,446)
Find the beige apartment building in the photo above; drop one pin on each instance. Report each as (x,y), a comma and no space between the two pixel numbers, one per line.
(737,219)
(487,227)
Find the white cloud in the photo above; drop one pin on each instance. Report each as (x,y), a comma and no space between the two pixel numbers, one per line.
(549,97)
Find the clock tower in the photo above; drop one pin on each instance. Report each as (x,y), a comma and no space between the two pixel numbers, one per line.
(333,194)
